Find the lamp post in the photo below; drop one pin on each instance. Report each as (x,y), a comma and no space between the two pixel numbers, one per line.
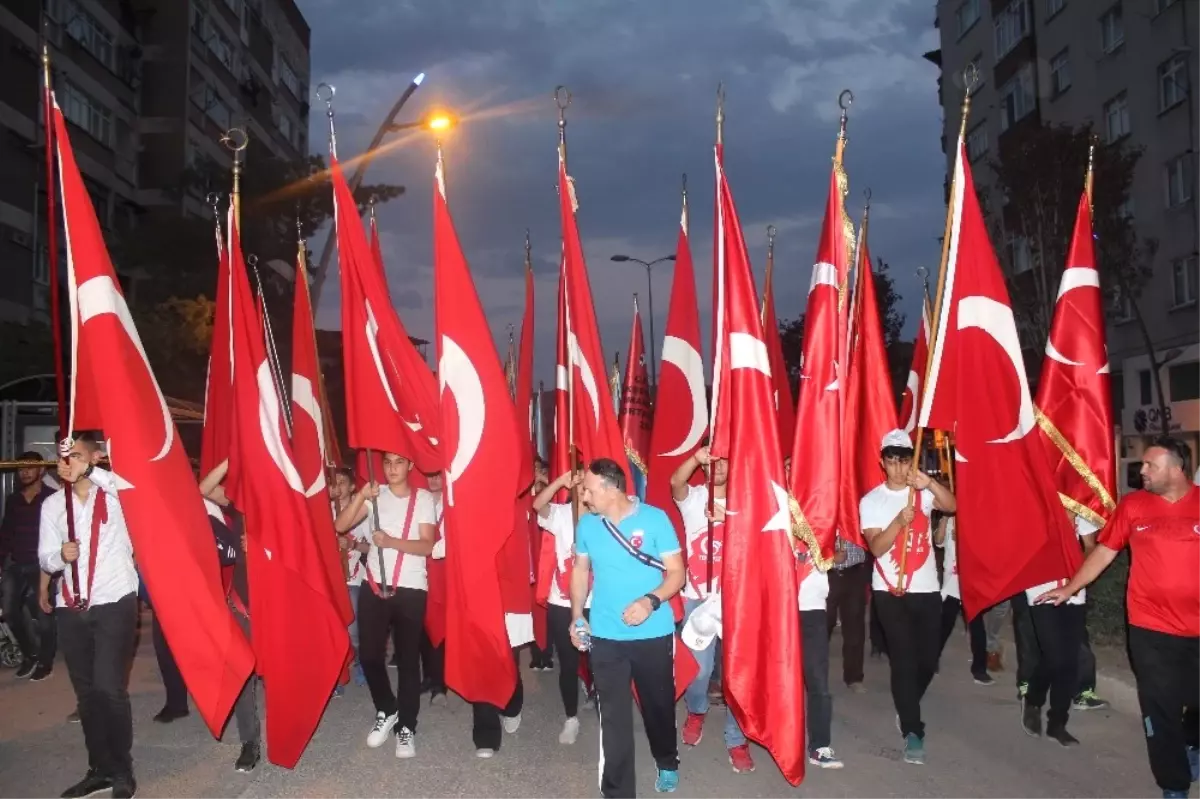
(650,292)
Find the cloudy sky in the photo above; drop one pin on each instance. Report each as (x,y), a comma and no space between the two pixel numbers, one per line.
(643,76)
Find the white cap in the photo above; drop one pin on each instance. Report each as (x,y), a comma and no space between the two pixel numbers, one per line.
(896,438)
(703,625)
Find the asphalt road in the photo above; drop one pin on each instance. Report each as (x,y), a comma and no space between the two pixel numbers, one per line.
(975,747)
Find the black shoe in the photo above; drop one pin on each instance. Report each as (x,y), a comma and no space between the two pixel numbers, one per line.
(1059,733)
(983,678)
(1031,721)
(41,672)
(26,668)
(169,714)
(124,787)
(248,760)
(426,685)
(90,785)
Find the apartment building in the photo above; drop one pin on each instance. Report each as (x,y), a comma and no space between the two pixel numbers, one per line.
(1128,67)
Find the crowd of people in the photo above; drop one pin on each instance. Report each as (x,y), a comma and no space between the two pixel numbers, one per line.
(619,564)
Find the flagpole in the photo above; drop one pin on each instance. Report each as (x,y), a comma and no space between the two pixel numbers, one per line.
(562,99)
(716,344)
(1090,177)
(970,78)
(768,282)
(856,287)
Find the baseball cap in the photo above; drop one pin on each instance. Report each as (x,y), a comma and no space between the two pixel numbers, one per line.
(896,438)
(704,624)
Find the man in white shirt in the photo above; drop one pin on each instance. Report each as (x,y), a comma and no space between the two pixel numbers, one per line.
(704,565)
(909,604)
(97,630)
(405,520)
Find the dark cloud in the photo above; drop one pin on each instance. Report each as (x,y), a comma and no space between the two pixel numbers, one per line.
(644,77)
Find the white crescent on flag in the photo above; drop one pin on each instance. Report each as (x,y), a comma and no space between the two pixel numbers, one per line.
(996,319)
(683,356)
(456,371)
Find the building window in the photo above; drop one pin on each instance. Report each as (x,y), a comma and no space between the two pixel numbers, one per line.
(977,142)
(217,109)
(1185,381)
(85,111)
(977,65)
(287,76)
(1112,29)
(1145,388)
(1177,180)
(1016,250)
(1011,26)
(285,126)
(1017,99)
(84,28)
(1172,82)
(1060,73)
(1053,7)
(220,47)
(41,268)
(199,20)
(1116,118)
(967,15)
(1183,280)
(1162,5)
(1122,307)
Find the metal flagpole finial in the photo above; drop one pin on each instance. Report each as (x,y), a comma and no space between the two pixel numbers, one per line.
(845,100)
(923,273)
(235,140)
(528,250)
(720,113)
(771,231)
(325,93)
(970,79)
(635,302)
(371,203)
(562,99)
(1089,178)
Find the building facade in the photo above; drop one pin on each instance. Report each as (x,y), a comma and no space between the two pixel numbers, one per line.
(148,88)
(1127,67)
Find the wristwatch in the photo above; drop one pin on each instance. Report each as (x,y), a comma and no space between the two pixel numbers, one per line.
(655,602)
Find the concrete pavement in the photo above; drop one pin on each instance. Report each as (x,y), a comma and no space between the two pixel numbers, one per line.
(974,743)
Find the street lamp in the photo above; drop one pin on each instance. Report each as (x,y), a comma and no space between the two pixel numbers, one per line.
(436,121)
(649,285)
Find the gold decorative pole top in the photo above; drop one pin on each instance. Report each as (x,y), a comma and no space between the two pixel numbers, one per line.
(720,113)
(325,94)
(1091,171)
(562,99)
(236,140)
(845,100)
(970,76)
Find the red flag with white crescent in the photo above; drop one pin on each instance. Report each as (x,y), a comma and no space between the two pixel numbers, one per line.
(977,387)
(487,575)
(168,525)
(218,390)
(635,416)
(910,400)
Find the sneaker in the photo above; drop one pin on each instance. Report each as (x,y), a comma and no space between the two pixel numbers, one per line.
(914,750)
(857,688)
(547,664)
(824,758)
(1060,734)
(26,668)
(437,698)
(1194,762)
(693,729)
(169,714)
(384,725)
(339,691)
(995,662)
(511,723)
(1031,721)
(1087,700)
(1022,689)
(1174,794)
(90,785)
(983,679)
(73,716)
(41,672)
(393,663)
(482,754)
(570,731)
(124,787)
(406,743)
(739,758)
(667,781)
(248,760)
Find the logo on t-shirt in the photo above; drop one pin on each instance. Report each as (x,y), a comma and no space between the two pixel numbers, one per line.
(636,539)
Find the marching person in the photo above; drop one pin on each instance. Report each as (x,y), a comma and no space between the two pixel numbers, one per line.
(945,535)
(354,545)
(631,550)
(433,658)
(19,580)
(541,659)
(910,615)
(99,627)
(407,522)
(692,502)
(814,634)
(849,582)
(1159,525)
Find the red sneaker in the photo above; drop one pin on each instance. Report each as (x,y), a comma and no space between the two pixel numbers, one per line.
(693,729)
(739,758)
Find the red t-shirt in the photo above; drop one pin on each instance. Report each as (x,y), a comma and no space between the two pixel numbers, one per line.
(1164,542)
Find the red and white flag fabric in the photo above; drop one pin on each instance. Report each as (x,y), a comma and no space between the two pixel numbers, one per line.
(1072,407)
(785,408)
(764,687)
(168,525)
(218,389)
(910,400)
(391,395)
(635,414)
(308,438)
(482,447)
(679,431)
(525,526)
(870,406)
(288,575)
(561,455)
(1013,533)
(817,448)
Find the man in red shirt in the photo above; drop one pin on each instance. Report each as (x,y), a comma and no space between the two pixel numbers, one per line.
(1161,526)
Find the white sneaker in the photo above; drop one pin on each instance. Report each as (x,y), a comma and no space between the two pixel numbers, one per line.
(570,731)
(511,724)
(405,745)
(483,754)
(437,699)
(382,729)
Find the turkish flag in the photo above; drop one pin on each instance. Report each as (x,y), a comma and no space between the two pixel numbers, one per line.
(817,447)
(1012,531)
(785,409)
(561,456)
(910,400)
(391,395)
(218,389)
(764,685)
(483,453)
(678,431)
(308,439)
(168,525)
(524,525)
(1073,407)
(635,414)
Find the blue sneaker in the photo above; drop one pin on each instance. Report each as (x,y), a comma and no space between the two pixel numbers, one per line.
(914,750)
(1174,794)
(667,782)
(1194,762)
(356,673)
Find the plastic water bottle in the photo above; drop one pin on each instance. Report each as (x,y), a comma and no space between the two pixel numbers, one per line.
(582,634)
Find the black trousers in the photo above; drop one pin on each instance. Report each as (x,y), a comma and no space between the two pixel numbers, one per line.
(1059,631)
(177,695)
(878,639)
(98,646)
(485,728)
(848,599)
(558,625)
(245,709)
(818,709)
(1167,670)
(403,615)
(649,664)
(1029,652)
(951,610)
(36,633)
(912,624)
(433,664)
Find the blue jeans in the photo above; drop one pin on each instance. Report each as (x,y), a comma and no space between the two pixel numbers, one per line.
(696,695)
(355,668)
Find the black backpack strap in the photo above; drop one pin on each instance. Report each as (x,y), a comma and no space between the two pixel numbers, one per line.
(638,555)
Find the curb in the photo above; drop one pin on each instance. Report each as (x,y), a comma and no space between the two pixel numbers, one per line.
(1120,690)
